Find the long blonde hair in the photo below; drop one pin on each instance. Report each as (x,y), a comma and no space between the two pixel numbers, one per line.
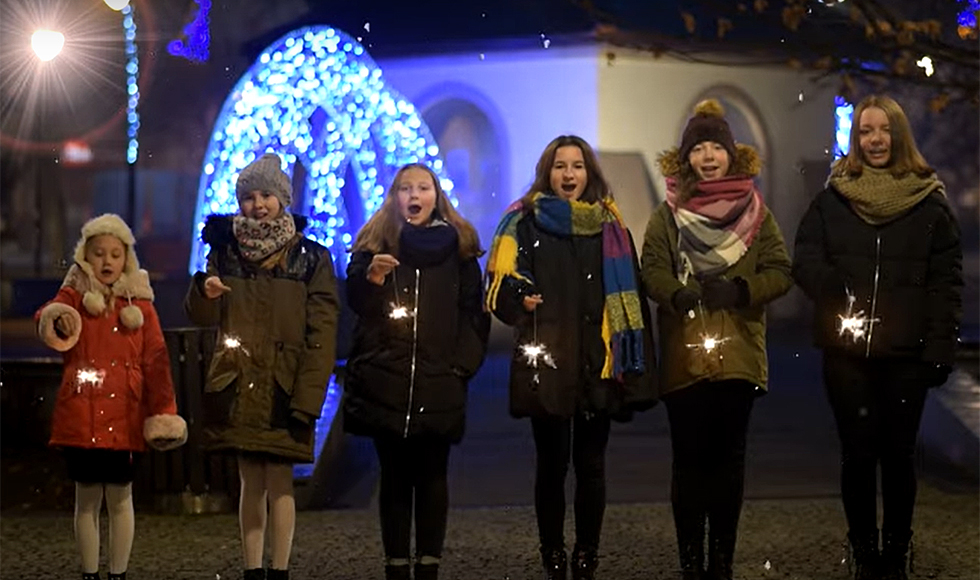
(382,231)
(597,188)
(905,156)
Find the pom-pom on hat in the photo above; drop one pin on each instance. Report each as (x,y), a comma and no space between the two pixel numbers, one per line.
(265,174)
(707,124)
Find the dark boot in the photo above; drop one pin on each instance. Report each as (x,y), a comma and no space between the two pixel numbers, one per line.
(555,563)
(584,562)
(864,547)
(426,571)
(120,576)
(272,574)
(721,554)
(398,572)
(254,574)
(691,551)
(90,576)
(894,553)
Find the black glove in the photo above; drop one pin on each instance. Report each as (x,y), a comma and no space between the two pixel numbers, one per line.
(685,299)
(722,293)
(300,428)
(935,374)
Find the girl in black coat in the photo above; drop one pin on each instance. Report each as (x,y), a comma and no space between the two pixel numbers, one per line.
(879,253)
(414,282)
(563,272)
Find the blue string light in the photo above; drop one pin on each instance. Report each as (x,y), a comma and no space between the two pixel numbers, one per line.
(331,403)
(842,126)
(319,100)
(198,35)
(968,17)
(132,88)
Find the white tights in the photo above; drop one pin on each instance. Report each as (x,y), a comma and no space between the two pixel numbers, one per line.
(266,487)
(88,506)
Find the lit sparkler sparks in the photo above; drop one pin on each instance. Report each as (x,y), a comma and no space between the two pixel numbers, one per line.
(535,352)
(232,342)
(709,342)
(855,324)
(91,378)
(398,312)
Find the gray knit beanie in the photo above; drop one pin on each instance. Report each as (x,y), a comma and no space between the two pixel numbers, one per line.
(265,174)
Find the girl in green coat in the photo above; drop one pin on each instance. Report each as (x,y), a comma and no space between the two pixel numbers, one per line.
(273,295)
(713,257)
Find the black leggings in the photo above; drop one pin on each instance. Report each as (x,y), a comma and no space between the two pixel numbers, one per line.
(416,464)
(583,440)
(878,405)
(708,425)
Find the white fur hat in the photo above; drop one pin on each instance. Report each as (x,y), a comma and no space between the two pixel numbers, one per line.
(113,225)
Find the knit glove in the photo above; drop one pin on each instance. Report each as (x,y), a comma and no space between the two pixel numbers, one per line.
(722,293)
(300,427)
(685,299)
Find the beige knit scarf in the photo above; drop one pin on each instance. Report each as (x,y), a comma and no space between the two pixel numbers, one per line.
(879,197)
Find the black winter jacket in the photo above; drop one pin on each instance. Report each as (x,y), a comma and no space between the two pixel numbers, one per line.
(906,273)
(567,272)
(408,376)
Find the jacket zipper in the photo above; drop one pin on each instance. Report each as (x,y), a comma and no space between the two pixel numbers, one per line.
(874,296)
(415,340)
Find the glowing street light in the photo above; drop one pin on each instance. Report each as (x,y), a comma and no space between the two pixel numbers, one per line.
(117,5)
(47,44)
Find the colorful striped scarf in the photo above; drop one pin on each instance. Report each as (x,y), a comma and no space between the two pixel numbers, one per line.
(717,225)
(622,322)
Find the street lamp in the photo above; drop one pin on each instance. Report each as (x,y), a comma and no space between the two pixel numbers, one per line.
(117,5)
(47,44)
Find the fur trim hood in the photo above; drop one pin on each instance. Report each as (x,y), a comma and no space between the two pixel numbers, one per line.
(219,228)
(746,162)
(134,283)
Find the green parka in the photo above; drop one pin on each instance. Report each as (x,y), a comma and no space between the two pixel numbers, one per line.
(276,343)
(765,267)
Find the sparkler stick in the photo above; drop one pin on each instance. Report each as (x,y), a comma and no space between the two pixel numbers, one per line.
(708,342)
(855,324)
(397,310)
(534,352)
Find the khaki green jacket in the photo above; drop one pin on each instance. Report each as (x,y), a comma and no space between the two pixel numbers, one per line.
(742,352)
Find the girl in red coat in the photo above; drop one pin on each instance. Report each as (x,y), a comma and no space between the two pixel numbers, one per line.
(116,390)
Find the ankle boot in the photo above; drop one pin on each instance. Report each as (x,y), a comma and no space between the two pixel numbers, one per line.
(692,556)
(397,572)
(254,574)
(721,554)
(555,563)
(273,574)
(119,576)
(895,549)
(91,576)
(864,547)
(584,562)
(426,571)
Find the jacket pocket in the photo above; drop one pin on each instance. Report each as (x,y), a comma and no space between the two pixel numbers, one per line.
(225,368)
(284,374)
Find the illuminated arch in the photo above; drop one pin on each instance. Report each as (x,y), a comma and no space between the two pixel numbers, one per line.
(317,98)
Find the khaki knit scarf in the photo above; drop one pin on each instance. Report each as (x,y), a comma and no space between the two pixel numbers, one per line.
(878,197)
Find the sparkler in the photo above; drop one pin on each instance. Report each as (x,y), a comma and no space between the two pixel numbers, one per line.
(856,324)
(91,378)
(397,310)
(709,342)
(534,352)
(232,342)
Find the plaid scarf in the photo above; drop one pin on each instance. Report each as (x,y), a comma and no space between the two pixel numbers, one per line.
(879,197)
(717,225)
(622,322)
(258,240)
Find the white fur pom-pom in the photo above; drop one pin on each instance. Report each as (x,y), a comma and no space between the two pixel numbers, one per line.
(131,316)
(94,303)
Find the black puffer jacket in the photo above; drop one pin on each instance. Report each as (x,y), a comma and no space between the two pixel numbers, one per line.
(906,273)
(567,272)
(408,376)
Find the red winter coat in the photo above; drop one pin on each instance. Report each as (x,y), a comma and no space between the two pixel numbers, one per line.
(125,360)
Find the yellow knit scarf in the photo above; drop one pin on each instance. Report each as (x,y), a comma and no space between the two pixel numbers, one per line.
(879,197)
